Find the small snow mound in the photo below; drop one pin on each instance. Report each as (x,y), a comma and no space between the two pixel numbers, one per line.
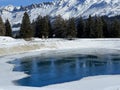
(6,39)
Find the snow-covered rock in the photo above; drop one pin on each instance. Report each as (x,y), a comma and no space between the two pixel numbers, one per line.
(66,8)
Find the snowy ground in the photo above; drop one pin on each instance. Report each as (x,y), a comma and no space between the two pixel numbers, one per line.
(39,46)
(8,44)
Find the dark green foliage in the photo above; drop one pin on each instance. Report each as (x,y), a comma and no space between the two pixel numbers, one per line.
(71,30)
(38,26)
(8,28)
(98,28)
(105,28)
(42,27)
(93,27)
(115,31)
(33,25)
(59,27)
(2,28)
(50,30)
(45,27)
(89,30)
(80,28)
(26,29)
(64,29)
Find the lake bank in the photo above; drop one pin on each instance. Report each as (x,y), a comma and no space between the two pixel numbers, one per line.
(10,46)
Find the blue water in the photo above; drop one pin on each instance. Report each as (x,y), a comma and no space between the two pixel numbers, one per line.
(45,71)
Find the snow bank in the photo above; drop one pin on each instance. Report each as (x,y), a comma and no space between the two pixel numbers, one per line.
(20,46)
(40,46)
(94,83)
(6,39)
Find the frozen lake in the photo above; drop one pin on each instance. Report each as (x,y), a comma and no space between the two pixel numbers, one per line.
(43,70)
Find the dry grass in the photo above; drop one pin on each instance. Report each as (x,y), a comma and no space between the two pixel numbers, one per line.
(23,48)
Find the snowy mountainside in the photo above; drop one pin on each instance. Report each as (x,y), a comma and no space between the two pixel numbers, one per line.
(65,8)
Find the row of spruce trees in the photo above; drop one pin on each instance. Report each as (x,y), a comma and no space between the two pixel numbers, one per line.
(43,27)
(57,27)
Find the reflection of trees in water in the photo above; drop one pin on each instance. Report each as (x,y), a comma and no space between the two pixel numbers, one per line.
(35,67)
(109,64)
(26,65)
(52,68)
(77,67)
(18,66)
(34,70)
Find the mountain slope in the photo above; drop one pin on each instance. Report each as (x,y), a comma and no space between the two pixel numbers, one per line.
(66,8)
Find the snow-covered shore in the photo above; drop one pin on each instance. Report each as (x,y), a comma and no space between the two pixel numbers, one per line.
(39,46)
(10,46)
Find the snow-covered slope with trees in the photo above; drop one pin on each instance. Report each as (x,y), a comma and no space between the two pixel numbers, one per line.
(66,8)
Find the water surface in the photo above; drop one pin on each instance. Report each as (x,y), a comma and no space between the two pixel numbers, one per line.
(45,71)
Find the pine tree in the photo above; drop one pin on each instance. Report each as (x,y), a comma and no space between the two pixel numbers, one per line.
(80,28)
(105,28)
(51,33)
(64,28)
(89,30)
(26,29)
(59,27)
(38,26)
(2,28)
(115,29)
(45,27)
(42,27)
(71,31)
(33,25)
(98,27)
(8,28)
